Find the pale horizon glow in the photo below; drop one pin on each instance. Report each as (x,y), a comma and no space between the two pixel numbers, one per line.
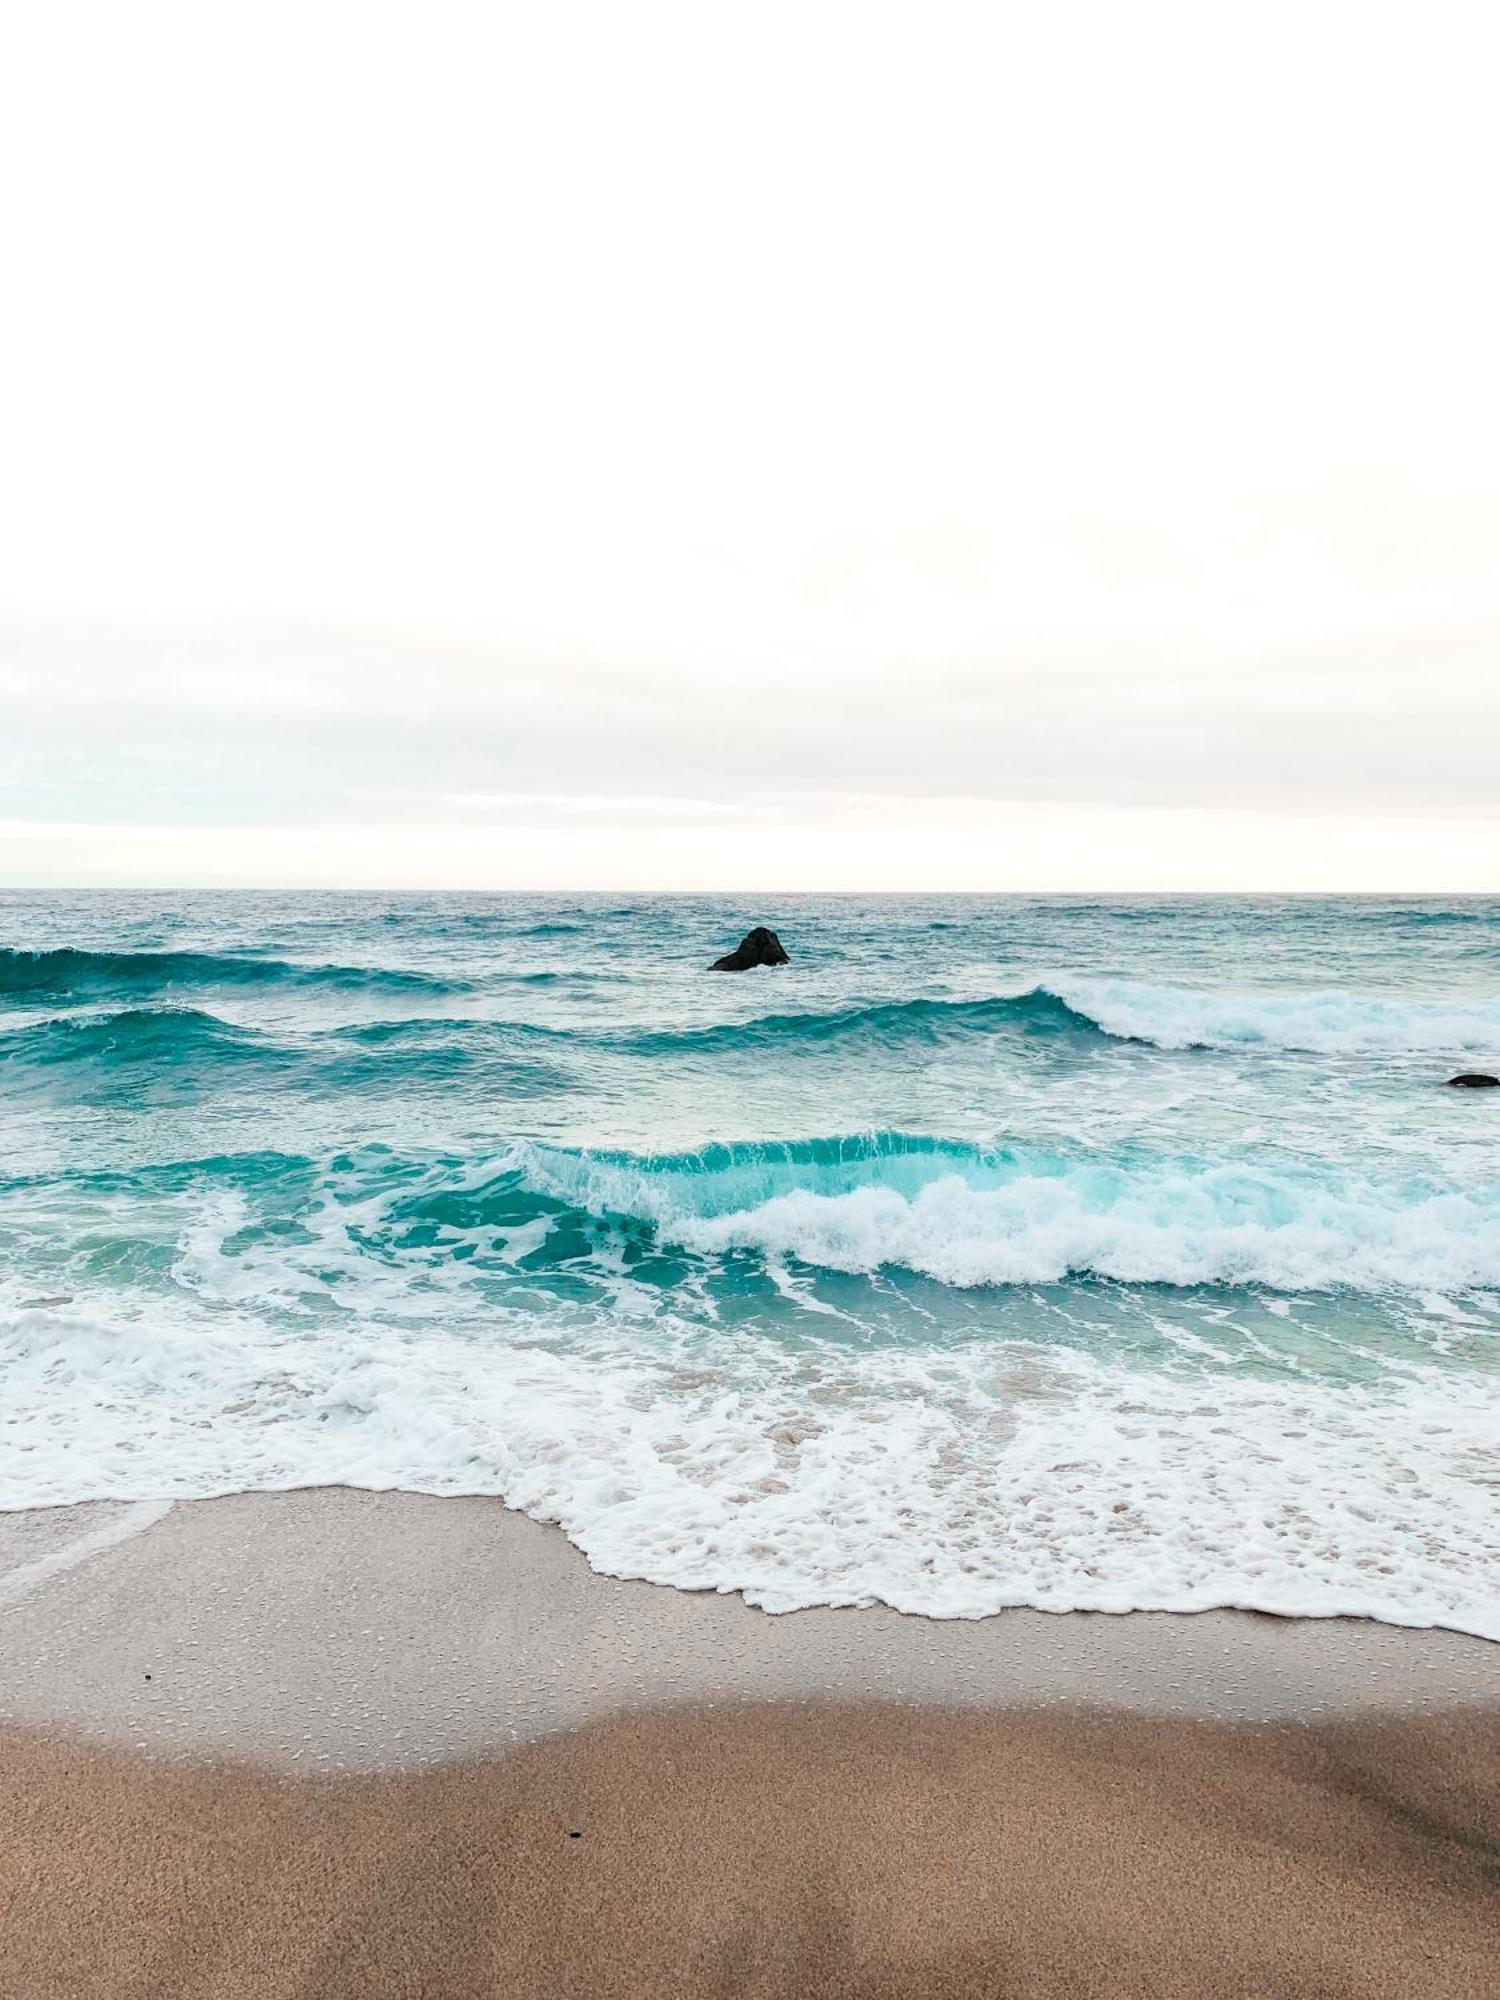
(804,448)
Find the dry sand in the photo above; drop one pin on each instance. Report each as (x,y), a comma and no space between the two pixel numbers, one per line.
(796,1851)
(532,1780)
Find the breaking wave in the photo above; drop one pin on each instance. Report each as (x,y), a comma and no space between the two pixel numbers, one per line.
(1164,1017)
(964,1216)
(971,1217)
(1178,1017)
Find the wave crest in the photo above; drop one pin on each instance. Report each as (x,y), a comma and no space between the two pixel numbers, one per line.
(969,1216)
(1124,1010)
(1328,1023)
(1039,1010)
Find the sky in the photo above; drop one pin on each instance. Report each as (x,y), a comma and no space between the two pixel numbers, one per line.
(815,446)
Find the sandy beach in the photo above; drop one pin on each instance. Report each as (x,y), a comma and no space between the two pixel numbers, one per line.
(332,1743)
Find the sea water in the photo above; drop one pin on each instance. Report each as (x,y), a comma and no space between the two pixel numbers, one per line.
(1052,1251)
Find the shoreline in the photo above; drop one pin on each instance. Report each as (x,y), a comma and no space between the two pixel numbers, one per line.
(340,1630)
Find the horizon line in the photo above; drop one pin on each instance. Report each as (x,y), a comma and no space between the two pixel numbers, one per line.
(438,889)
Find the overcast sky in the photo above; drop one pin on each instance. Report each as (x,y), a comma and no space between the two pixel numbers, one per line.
(815,446)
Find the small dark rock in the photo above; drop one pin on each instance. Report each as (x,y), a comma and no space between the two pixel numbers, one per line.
(757,947)
(1474,1079)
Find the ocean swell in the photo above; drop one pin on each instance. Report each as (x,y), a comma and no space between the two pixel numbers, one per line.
(72,975)
(1166,1017)
(143,1055)
(1037,1011)
(1122,1010)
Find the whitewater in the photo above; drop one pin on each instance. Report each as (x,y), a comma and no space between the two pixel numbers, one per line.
(1065,1252)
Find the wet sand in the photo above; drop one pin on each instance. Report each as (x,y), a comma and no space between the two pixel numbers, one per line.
(339,1744)
(348,1631)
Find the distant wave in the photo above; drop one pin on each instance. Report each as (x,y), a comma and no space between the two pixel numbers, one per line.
(1037,1011)
(1180,1017)
(1431,919)
(145,1053)
(1170,1018)
(135,1034)
(1165,1017)
(71,974)
(403,1040)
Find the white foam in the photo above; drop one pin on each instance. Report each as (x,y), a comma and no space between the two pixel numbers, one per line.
(1038,1231)
(951,1482)
(1180,1017)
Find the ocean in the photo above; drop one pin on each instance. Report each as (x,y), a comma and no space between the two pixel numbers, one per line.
(1052,1251)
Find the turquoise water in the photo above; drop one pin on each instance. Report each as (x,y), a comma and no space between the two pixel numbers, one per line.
(1053,1251)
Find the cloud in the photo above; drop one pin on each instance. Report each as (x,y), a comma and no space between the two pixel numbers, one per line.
(610,417)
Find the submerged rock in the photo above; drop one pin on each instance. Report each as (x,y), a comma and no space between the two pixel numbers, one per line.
(1474,1079)
(757,947)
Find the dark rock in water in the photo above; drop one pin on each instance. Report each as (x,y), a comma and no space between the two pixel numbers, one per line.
(1474,1079)
(757,947)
